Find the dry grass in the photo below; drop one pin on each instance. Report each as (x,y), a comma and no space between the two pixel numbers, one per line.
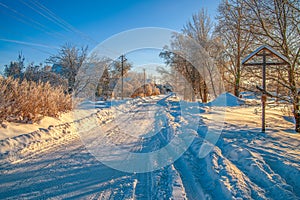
(150,90)
(27,101)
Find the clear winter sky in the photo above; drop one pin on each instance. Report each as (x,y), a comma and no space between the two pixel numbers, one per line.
(39,27)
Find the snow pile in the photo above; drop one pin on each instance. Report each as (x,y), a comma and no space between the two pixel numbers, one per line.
(226,99)
(249,95)
(20,146)
(15,146)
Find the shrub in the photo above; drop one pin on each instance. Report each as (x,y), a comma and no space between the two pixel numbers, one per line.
(150,90)
(46,76)
(27,101)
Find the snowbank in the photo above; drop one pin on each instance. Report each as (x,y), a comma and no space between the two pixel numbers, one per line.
(17,147)
(226,99)
(15,129)
(18,140)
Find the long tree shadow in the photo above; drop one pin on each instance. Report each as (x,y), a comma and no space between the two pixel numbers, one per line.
(51,177)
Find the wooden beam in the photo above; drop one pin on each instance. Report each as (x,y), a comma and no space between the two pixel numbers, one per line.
(268,63)
(267,54)
(267,50)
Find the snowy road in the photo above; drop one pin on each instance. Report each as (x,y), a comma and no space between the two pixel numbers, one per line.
(243,164)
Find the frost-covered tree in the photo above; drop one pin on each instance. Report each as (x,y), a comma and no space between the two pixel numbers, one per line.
(231,29)
(276,23)
(70,58)
(199,47)
(15,68)
(38,73)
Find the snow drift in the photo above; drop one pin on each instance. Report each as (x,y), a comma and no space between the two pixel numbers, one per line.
(226,99)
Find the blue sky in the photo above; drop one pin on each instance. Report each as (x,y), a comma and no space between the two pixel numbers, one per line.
(39,27)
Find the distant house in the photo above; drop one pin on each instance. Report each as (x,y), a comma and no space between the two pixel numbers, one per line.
(48,68)
(57,69)
(165,88)
(168,88)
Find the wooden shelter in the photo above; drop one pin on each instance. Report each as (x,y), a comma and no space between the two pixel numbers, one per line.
(259,57)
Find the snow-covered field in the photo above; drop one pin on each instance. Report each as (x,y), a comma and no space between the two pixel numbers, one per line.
(63,161)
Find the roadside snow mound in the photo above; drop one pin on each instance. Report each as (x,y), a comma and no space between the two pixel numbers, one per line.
(18,147)
(226,99)
(249,95)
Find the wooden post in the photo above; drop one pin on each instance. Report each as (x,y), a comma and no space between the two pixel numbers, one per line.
(263,96)
(266,51)
(122,74)
(144,82)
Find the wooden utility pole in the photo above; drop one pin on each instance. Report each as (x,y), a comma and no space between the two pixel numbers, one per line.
(144,82)
(123,59)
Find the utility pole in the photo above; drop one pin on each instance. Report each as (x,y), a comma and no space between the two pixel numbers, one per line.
(144,82)
(123,59)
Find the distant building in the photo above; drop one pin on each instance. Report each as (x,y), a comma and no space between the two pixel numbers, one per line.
(165,88)
(47,68)
(58,69)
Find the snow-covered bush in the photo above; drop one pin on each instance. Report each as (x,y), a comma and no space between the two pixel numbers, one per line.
(27,101)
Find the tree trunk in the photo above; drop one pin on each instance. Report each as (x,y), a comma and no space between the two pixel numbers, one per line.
(297,115)
(204,93)
(237,87)
(295,97)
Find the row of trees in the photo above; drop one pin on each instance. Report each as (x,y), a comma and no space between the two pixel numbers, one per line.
(66,65)
(242,26)
(72,69)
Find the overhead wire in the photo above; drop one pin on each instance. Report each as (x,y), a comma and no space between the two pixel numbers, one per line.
(22,18)
(50,16)
(68,26)
(28,43)
(62,23)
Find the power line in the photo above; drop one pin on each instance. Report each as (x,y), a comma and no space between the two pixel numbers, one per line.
(62,23)
(48,15)
(22,18)
(42,14)
(29,43)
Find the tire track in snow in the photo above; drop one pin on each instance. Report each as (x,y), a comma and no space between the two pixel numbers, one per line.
(150,185)
(234,169)
(284,171)
(280,155)
(50,156)
(256,169)
(191,187)
(157,184)
(215,174)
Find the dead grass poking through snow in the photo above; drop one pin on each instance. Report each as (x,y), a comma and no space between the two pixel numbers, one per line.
(27,101)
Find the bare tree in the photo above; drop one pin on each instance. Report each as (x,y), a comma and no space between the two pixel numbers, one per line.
(190,55)
(236,40)
(276,23)
(15,68)
(200,29)
(70,58)
(38,73)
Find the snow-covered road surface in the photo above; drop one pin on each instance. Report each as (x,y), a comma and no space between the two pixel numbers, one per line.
(244,164)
